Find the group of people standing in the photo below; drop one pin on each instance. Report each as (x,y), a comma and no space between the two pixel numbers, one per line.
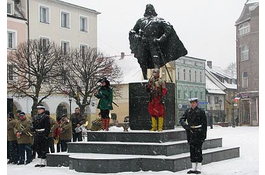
(40,134)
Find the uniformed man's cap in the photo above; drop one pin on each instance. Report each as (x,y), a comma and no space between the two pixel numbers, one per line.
(40,107)
(22,114)
(193,99)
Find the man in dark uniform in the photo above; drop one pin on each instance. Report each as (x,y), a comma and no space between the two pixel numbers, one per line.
(194,121)
(41,127)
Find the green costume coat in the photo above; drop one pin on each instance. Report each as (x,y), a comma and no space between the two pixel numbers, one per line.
(105,96)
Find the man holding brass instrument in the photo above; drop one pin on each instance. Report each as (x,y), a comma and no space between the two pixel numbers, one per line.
(24,138)
(12,140)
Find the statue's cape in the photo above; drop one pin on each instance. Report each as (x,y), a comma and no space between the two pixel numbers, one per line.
(172,48)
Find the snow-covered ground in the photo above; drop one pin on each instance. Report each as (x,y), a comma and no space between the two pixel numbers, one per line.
(247,138)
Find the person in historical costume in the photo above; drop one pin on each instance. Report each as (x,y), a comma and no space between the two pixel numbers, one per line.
(194,121)
(41,128)
(77,120)
(105,96)
(12,140)
(54,125)
(157,89)
(154,41)
(65,132)
(24,138)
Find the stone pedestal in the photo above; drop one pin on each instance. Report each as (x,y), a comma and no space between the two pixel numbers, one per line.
(138,107)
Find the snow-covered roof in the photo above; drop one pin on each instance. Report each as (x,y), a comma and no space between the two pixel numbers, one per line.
(230,86)
(212,88)
(218,71)
(130,69)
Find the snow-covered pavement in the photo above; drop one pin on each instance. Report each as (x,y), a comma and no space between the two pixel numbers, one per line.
(247,138)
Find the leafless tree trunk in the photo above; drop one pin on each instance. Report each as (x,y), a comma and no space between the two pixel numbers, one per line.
(81,71)
(35,71)
(231,69)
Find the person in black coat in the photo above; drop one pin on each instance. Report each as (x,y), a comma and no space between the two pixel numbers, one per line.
(41,128)
(77,120)
(194,121)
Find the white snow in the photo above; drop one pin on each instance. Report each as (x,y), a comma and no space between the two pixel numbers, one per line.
(130,68)
(212,88)
(247,138)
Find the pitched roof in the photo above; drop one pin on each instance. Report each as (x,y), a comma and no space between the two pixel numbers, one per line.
(246,12)
(211,73)
(130,68)
(212,88)
(77,6)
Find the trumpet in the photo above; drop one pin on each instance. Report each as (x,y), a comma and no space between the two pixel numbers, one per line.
(22,127)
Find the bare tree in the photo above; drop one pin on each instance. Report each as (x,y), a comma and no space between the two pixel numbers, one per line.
(35,69)
(231,69)
(81,71)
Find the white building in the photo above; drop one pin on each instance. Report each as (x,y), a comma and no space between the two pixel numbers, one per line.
(68,25)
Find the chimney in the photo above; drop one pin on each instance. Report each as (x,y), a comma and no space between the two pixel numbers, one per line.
(209,64)
(122,55)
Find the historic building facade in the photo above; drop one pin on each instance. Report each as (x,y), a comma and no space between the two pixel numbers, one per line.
(221,94)
(68,25)
(247,56)
(190,82)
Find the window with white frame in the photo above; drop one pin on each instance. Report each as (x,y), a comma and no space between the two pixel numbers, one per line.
(184,74)
(83,49)
(65,18)
(44,14)
(209,99)
(9,8)
(11,39)
(185,94)
(65,46)
(190,74)
(201,77)
(83,24)
(195,76)
(44,42)
(244,80)
(201,95)
(196,94)
(243,28)
(190,94)
(244,52)
(216,100)
(179,92)
(178,75)
(10,72)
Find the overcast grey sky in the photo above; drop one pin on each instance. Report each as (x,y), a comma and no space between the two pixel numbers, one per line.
(206,27)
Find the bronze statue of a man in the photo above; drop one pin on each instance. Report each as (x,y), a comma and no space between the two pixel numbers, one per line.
(154,41)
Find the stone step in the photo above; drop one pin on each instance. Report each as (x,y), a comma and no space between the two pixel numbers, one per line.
(114,163)
(167,149)
(138,136)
